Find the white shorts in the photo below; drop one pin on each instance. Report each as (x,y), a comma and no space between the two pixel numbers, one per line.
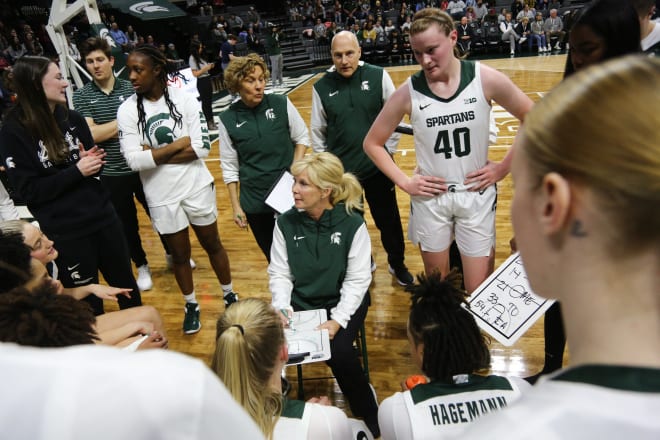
(199,209)
(470,216)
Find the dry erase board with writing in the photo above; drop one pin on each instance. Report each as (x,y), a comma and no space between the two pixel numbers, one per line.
(504,305)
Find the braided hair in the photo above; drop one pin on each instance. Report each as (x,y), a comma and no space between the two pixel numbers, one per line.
(157,60)
(453,343)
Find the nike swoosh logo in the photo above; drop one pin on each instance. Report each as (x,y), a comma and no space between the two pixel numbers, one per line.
(72,267)
(239,125)
(333,93)
(93,101)
(422,107)
(296,238)
(117,73)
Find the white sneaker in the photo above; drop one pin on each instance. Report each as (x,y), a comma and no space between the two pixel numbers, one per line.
(557,46)
(170,264)
(522,40)
(548,48)
(513,52)
(144,281)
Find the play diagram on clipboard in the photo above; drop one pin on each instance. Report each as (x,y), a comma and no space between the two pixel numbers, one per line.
(304,342)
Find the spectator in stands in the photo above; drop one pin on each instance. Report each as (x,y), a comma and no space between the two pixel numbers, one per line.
(200,69)
(554,28)
(541,5)
(151,42)
(235,23)
(378,27)
(444,5)
(406,24)
(119,36)
(464,40)
(72,49)
(502,15)
(481,10)
(554,4)
(254,41)
(449,348)
(525,31)
(491,18)
(338,13)
(389,27)
(516,7)
(332,30)
(507,27)
(350,22)
(526,12)
(172,54)
(351,7)
(132,37)
(469,14)
(456,9)
(254,19)
(227,51)
(219,34)
(538,34)
(396,50)
(32,45)
(274,50)
(320,32)
(650,28)
(368,32)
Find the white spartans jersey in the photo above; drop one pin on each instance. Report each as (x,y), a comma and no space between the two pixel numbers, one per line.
(441,410)
(451,135)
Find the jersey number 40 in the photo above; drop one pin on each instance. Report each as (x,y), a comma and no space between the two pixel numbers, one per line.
(460,145)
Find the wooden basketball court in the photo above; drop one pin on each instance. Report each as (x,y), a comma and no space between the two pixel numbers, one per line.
(389,357)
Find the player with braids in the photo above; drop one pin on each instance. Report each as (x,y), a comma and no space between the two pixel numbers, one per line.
(447,345)
(159,60)
(43,318)
(249,356)
(162,137)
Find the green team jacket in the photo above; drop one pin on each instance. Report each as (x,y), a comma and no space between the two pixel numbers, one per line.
(317,253)
(351,106)
(261,138)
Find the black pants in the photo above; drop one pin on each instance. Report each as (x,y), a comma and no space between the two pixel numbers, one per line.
(122,189)
(262,225)
(380,193)
(347,369)
(81,258)
(205,89)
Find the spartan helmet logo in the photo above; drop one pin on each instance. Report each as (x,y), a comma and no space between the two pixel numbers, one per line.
(164,135)
(147,7)
(335,238)
(103,33)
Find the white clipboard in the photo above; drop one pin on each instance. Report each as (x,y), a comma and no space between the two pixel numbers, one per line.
(504,305)
(280,196)
(304,341)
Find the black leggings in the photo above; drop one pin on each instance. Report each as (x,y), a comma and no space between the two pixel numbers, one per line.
(262,225)
(205,89)
(81,258)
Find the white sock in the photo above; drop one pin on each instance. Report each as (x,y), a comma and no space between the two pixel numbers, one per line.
(190,298)
(227,288)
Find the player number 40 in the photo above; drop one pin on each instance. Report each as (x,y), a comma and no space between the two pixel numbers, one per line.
(460,145)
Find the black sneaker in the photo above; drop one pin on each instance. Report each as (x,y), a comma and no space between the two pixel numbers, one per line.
(191,323)
(402,275)
(230,298)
